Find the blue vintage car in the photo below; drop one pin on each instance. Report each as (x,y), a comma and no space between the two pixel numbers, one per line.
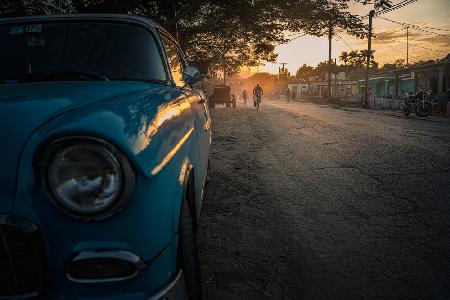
(104,160)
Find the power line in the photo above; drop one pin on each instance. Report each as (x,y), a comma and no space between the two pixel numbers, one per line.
(344,41)
(426,31)
(411,26)
(418,46)
(401,29)
(384,41)
(438,51)
(394,7)
(399,5)
(289,39)
(432,28)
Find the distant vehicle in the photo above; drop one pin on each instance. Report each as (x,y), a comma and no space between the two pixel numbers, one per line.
(222,95)
(104,160)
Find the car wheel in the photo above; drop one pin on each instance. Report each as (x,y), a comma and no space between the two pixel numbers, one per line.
(188,254)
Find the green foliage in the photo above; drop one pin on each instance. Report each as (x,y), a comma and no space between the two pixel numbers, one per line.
(283,74)
(229,34)
(354,64)
(264,79)
(304,72)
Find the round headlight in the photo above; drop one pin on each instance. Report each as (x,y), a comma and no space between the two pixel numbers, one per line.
(86,178)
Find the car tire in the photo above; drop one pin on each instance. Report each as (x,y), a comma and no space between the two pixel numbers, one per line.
(208,171)
(188,254)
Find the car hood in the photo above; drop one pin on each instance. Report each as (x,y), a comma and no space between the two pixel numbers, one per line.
(25,107)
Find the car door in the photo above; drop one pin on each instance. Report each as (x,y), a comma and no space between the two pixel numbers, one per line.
(197,100)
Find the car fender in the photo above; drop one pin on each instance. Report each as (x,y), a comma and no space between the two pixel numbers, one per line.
(154,131)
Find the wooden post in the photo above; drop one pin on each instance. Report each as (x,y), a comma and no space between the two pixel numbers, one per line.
(330,36)
(369,52)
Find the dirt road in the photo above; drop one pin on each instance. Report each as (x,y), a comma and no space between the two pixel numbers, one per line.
(311,202)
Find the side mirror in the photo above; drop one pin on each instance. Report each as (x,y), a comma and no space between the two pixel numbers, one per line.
(191,75)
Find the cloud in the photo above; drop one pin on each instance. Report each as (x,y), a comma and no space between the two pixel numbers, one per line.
(438,41)
(395,35)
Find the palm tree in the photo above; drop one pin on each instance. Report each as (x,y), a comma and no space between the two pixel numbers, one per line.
(353,57)
(344,57)
(364,53)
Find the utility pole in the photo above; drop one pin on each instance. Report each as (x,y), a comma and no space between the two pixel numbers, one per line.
(369,52)
(330,37)
(282,69)
(335,78)
(407,45)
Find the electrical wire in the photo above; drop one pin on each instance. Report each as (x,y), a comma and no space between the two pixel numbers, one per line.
(298,36)
(399,5)
(418,46)
(344,41)
(385,42)
(412,26)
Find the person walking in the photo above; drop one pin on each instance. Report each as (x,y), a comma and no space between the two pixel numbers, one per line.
(245,96)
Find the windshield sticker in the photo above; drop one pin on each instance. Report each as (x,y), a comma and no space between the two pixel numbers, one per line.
(16,30)
(34,41)
(34,28)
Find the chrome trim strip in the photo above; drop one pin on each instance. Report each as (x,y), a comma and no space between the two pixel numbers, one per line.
(123,255)
(31,295)
(175,290)
(18,223)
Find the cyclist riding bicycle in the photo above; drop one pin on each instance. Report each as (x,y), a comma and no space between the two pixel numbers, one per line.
(257,93)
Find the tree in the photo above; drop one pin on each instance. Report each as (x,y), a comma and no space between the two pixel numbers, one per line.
(344,57)
(353,58)
(283,74)
(229,34)
(399,64)
(322,68)
(264,79)
(363,58)
(304,72)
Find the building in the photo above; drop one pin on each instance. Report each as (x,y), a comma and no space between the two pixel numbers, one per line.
(435,75)
(300,88)
(381,87)
(339,88)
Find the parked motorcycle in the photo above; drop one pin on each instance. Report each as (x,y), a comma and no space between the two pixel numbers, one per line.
(418,102)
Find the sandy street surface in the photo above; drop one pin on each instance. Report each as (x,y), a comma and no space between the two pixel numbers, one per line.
(311,202)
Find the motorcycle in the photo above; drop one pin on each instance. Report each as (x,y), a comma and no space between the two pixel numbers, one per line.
(418,102)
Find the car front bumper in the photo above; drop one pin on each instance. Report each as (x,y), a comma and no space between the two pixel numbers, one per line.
(175,290)
(161,279)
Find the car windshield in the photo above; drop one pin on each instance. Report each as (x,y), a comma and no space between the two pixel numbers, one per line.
(78,51)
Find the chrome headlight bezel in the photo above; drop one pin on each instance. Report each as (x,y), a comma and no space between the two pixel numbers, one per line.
(127,175)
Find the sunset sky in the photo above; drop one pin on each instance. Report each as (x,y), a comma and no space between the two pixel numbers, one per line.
(390,45)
